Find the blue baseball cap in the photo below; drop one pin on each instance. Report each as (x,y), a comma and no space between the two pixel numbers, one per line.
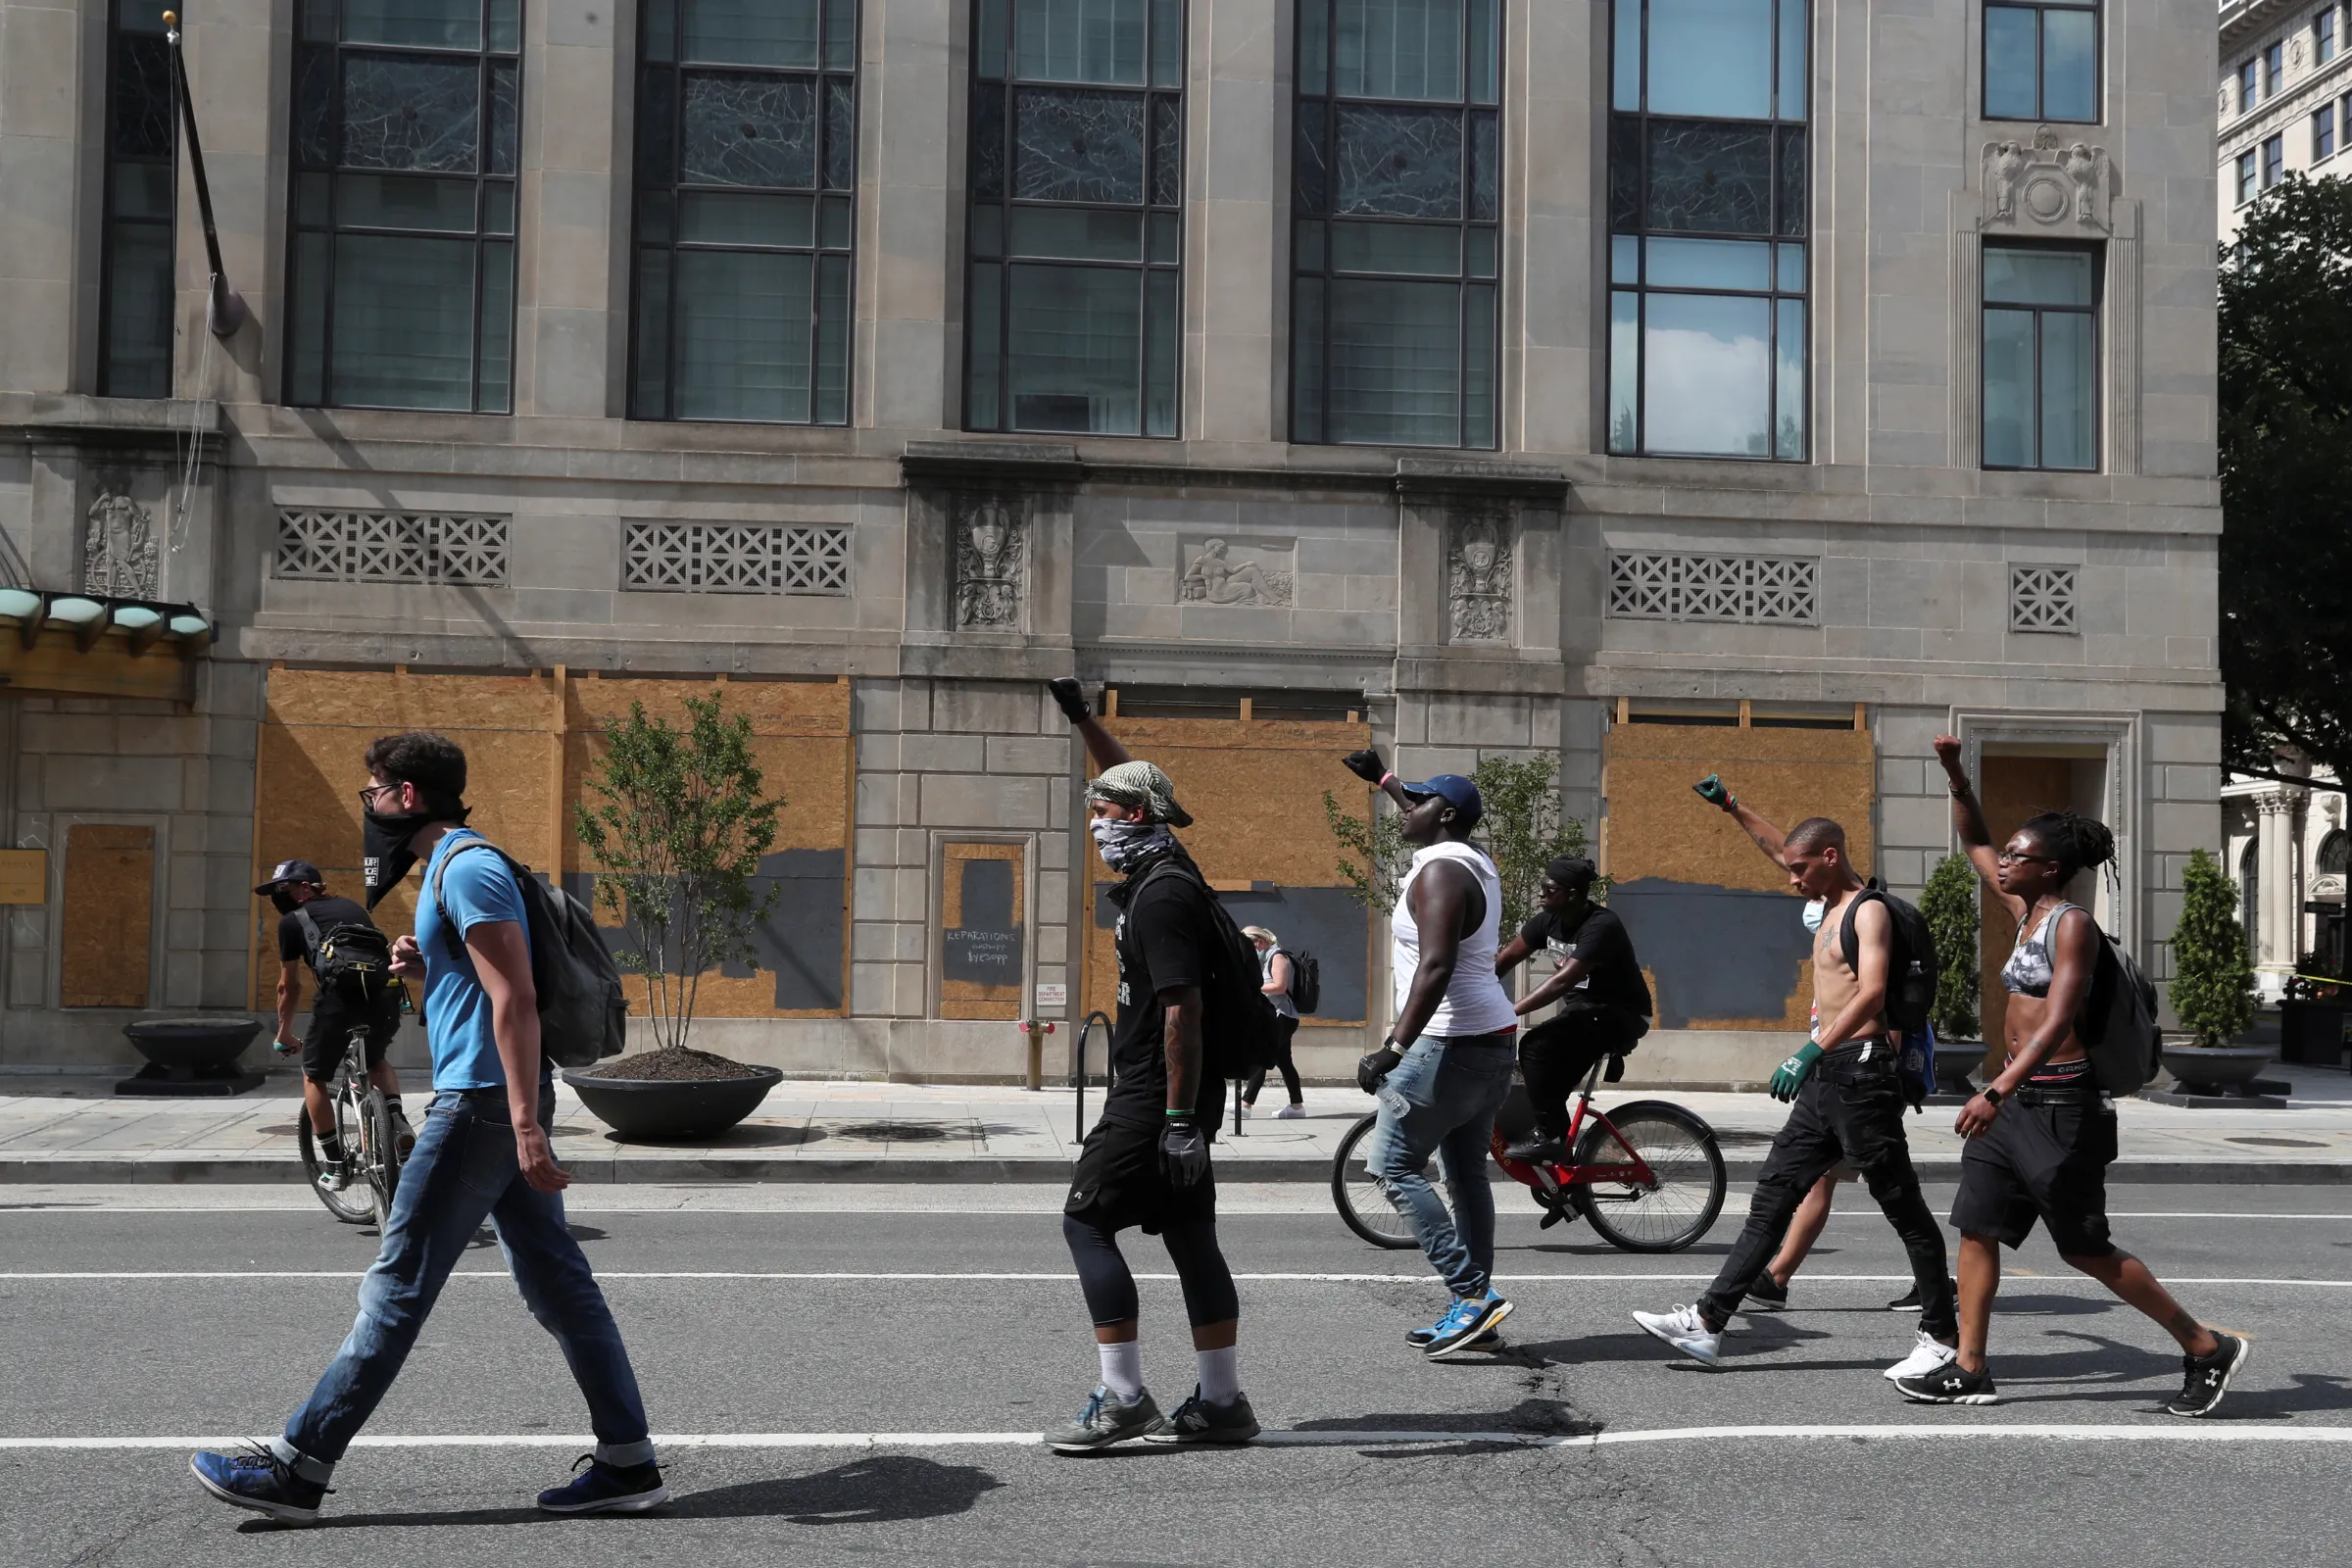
(1455,791)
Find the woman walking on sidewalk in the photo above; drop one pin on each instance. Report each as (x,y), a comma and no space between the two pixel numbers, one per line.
(2041,1135)
(1276,967)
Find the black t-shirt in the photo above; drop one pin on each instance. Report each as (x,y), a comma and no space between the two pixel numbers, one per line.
(1612,975)
(1162,942)
(294,943)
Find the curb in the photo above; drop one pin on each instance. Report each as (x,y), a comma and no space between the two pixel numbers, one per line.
(180,1171)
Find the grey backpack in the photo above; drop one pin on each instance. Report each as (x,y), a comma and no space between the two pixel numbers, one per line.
(583,1013)
(2118,1021)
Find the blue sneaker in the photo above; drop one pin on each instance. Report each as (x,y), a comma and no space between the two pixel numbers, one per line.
(606,1489)
(1460,1330)
(261,1481)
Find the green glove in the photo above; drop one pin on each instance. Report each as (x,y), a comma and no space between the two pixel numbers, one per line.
(1711,790)
(1790,1076)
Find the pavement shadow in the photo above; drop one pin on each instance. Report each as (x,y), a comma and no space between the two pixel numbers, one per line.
(2312,1390)
(1538,1418)
(743,1135)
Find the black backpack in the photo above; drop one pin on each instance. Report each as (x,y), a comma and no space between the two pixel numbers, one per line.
(2117,1020)
(352,959)
(1911,967)
(583,1013)
(1306,979)
(1241,1033)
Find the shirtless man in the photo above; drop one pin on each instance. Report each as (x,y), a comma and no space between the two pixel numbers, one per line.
(1848,1101)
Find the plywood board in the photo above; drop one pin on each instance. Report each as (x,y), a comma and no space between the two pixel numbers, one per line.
(103,948)
(984,924)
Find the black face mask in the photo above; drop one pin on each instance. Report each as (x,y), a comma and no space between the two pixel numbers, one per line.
(385,856)
(283,902)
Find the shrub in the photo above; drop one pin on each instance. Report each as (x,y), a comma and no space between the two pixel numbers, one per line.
(2213,984)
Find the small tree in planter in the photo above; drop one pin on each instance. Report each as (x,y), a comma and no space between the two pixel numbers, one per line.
(1949,903)
(2213,984)
(1523,830)
(677,831)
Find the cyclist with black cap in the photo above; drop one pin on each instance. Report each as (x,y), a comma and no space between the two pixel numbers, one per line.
(1604,1000)
(309,914)
(1146,1163)
(1446,1066)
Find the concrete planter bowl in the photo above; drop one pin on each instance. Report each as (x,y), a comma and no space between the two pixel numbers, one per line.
(192,1056)
(672,1110)
(2217,1069)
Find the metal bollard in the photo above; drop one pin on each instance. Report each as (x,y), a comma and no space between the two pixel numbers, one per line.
(1037,1032)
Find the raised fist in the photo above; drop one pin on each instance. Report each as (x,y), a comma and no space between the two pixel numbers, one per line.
(1072,698)
(1366,766)
(1711,790)
(1947,750)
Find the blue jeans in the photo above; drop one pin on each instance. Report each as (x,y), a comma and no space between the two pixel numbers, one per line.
(461,1172)
(1442,1099)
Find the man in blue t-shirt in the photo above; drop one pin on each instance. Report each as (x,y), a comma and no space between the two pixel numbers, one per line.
(484,1153)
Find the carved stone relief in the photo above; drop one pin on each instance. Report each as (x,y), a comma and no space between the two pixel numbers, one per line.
(1215,572)
(1478,588)
(988,565)
(2046,186)
(118,553)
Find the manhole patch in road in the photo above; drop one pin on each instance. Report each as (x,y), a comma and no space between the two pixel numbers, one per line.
(894,1132)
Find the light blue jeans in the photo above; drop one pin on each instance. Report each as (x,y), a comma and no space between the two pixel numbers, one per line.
(461,1172)
(1442,1099)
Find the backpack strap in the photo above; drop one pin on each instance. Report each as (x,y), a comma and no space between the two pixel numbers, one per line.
(456,940)
(1849,941)
(309,934)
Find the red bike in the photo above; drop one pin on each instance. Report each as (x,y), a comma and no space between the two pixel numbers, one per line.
(1649,1176)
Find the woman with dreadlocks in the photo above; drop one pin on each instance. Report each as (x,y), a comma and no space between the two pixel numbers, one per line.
(2041,1135)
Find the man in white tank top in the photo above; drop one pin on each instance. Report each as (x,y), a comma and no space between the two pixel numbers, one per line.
(1443,1069)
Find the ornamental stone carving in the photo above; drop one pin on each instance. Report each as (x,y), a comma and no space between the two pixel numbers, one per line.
(1214,576)
(118,553)
(2046,186)
(988,565)
(1478,588)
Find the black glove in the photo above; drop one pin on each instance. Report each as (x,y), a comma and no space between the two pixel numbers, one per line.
(1378,1065)
(1183,1152)
(1072,698)
(1365,764)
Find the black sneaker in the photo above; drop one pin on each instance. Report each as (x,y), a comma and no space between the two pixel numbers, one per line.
(1950,1384)
(2206,1377)
(606,1489)
(1909,1301)
(1768,1295)
(1197,1421)
(1538,1151)
(259,1480)
(1105,1421)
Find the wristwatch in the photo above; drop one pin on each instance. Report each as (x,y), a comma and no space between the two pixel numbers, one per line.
(1994,1097)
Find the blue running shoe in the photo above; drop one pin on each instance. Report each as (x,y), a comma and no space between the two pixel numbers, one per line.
(1459,1330)
(259,1480)
(606,1489)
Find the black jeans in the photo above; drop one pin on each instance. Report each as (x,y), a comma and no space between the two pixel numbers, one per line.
(1555,1055)
(1849,1110)
(1283,1061)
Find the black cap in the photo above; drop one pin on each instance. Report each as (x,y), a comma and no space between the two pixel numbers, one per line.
(292,871)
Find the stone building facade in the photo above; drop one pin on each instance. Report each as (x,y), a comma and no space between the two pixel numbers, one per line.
(2285,97)
(1500,389)
(2288,848)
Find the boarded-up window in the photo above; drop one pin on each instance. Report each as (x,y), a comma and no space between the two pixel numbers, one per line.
(983,922)
(109,916)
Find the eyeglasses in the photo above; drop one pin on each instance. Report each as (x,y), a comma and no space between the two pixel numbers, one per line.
(2011,857)
(369,793)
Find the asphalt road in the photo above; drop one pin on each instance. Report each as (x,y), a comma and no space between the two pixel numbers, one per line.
(1584,1442)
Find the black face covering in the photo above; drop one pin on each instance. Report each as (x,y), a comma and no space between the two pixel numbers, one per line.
(385,856)
(284,902)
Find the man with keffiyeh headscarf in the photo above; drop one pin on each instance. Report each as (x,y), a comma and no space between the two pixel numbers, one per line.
(1146,1163)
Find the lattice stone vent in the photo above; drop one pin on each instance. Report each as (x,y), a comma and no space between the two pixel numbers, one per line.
(400,547)
(1759,590)
(2041,599)
(735,557)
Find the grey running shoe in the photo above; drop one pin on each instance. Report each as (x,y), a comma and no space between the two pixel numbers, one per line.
(1197,1421)
(2206,1377)
(1105,1421)
(1950,1384)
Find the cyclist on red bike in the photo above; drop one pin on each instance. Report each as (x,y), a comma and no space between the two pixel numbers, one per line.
(1605,1002)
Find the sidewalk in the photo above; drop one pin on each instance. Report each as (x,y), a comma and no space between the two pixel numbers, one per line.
(59,1129)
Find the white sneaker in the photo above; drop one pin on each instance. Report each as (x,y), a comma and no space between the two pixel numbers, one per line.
(1684,1330)
(1291,1112)
(1245,1111)
(1930,1354)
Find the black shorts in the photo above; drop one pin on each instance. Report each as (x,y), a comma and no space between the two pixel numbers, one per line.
(331,1032)
(2040,1161)
(1118,1183)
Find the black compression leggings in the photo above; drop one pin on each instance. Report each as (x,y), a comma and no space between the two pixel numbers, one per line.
(1103,1274)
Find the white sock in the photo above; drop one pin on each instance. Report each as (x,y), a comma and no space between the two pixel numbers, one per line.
(1123,1369)
(1220,1374)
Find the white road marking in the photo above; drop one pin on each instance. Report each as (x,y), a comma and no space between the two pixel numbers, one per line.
(1329,1438)
(863,1275)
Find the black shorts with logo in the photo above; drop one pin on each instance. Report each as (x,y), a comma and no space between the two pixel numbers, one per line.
(2046,1157)
(331,1030)
(1118,1183)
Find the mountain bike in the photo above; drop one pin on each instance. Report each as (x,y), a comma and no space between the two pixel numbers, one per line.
(1649,1175)
(358,1190)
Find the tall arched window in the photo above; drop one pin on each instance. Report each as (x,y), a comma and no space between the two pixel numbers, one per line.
(2335,853)
(2249,891)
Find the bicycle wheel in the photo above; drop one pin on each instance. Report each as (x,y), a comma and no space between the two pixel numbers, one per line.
(1361,1204)
(381,1168)
(1680,1150)
(354,1204)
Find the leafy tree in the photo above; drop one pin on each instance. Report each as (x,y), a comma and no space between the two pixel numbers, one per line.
(677,835)
(2286,431)
(1523,829)
(2213,985)
(1949,903)
(1377,853)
